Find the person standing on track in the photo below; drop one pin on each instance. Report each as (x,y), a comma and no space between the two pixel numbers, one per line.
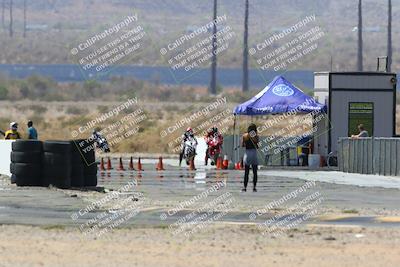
(250,142)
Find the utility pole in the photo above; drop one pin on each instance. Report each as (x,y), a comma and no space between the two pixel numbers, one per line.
(245,82)
(3,7)
(24,18)
(360,41)
(213,84)
(11,18)
(389,37)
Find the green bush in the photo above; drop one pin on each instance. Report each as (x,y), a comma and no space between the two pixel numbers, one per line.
(3,92)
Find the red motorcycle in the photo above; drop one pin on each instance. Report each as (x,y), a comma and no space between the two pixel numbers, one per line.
(214,149)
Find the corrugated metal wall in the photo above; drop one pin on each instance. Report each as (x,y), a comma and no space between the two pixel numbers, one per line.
(370,156)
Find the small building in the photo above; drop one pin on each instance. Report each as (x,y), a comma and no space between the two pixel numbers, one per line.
(354,98)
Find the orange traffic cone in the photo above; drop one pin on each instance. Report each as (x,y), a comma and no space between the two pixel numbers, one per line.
(121,166)
(219,163)
(102,165)
(238,165)
(191,165)
(139,165)
(225,163)
(131,165)
(109,167)
(160,165)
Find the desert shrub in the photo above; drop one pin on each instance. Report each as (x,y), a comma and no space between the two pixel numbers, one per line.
(171,108)
(37,109)
(238,96)
(4,123)
(102,109)
(3,92)
(91,87)
(39,86)
(73,110)
(54,97)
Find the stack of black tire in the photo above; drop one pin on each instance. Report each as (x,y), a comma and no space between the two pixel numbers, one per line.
(26,163)
(84,167)
(59,163)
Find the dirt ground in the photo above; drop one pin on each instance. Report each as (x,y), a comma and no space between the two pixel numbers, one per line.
(54,239)
(220,245)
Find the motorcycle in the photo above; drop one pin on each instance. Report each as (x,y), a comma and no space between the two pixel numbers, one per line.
(103,145)
(190,150)
(101,142)
(214,150)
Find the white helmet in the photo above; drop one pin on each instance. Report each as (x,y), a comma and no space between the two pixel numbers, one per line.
(13,125)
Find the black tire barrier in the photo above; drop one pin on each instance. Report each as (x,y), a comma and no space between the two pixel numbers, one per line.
(13,178)
(51,158)
(26,169)
(77,178)
(90,170)
(27,146)
(26,165)
(26,180)
(26,157)
(26,174)
(76,154)
(57,175)
(57,164)
(82,150)
(61,147)
(91,180)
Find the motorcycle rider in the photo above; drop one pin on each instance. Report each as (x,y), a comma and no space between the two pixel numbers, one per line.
(101,141)
(211,134)
(188,134)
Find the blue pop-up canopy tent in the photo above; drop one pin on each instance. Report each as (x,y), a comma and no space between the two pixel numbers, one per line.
(280,96)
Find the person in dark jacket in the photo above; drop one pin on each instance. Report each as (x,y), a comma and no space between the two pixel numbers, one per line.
(250,142)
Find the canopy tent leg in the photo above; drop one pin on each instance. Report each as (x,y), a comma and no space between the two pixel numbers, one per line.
(234,139)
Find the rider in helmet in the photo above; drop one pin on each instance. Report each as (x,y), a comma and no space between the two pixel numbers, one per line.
(101,141)
(12,133)
(211,134)
(186,135)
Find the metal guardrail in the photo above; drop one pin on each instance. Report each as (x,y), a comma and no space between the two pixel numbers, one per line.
(369,156)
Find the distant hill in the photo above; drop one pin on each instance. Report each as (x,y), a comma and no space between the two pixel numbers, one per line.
(55,26)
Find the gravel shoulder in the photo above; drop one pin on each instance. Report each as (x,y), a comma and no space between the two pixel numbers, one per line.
(219,245)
